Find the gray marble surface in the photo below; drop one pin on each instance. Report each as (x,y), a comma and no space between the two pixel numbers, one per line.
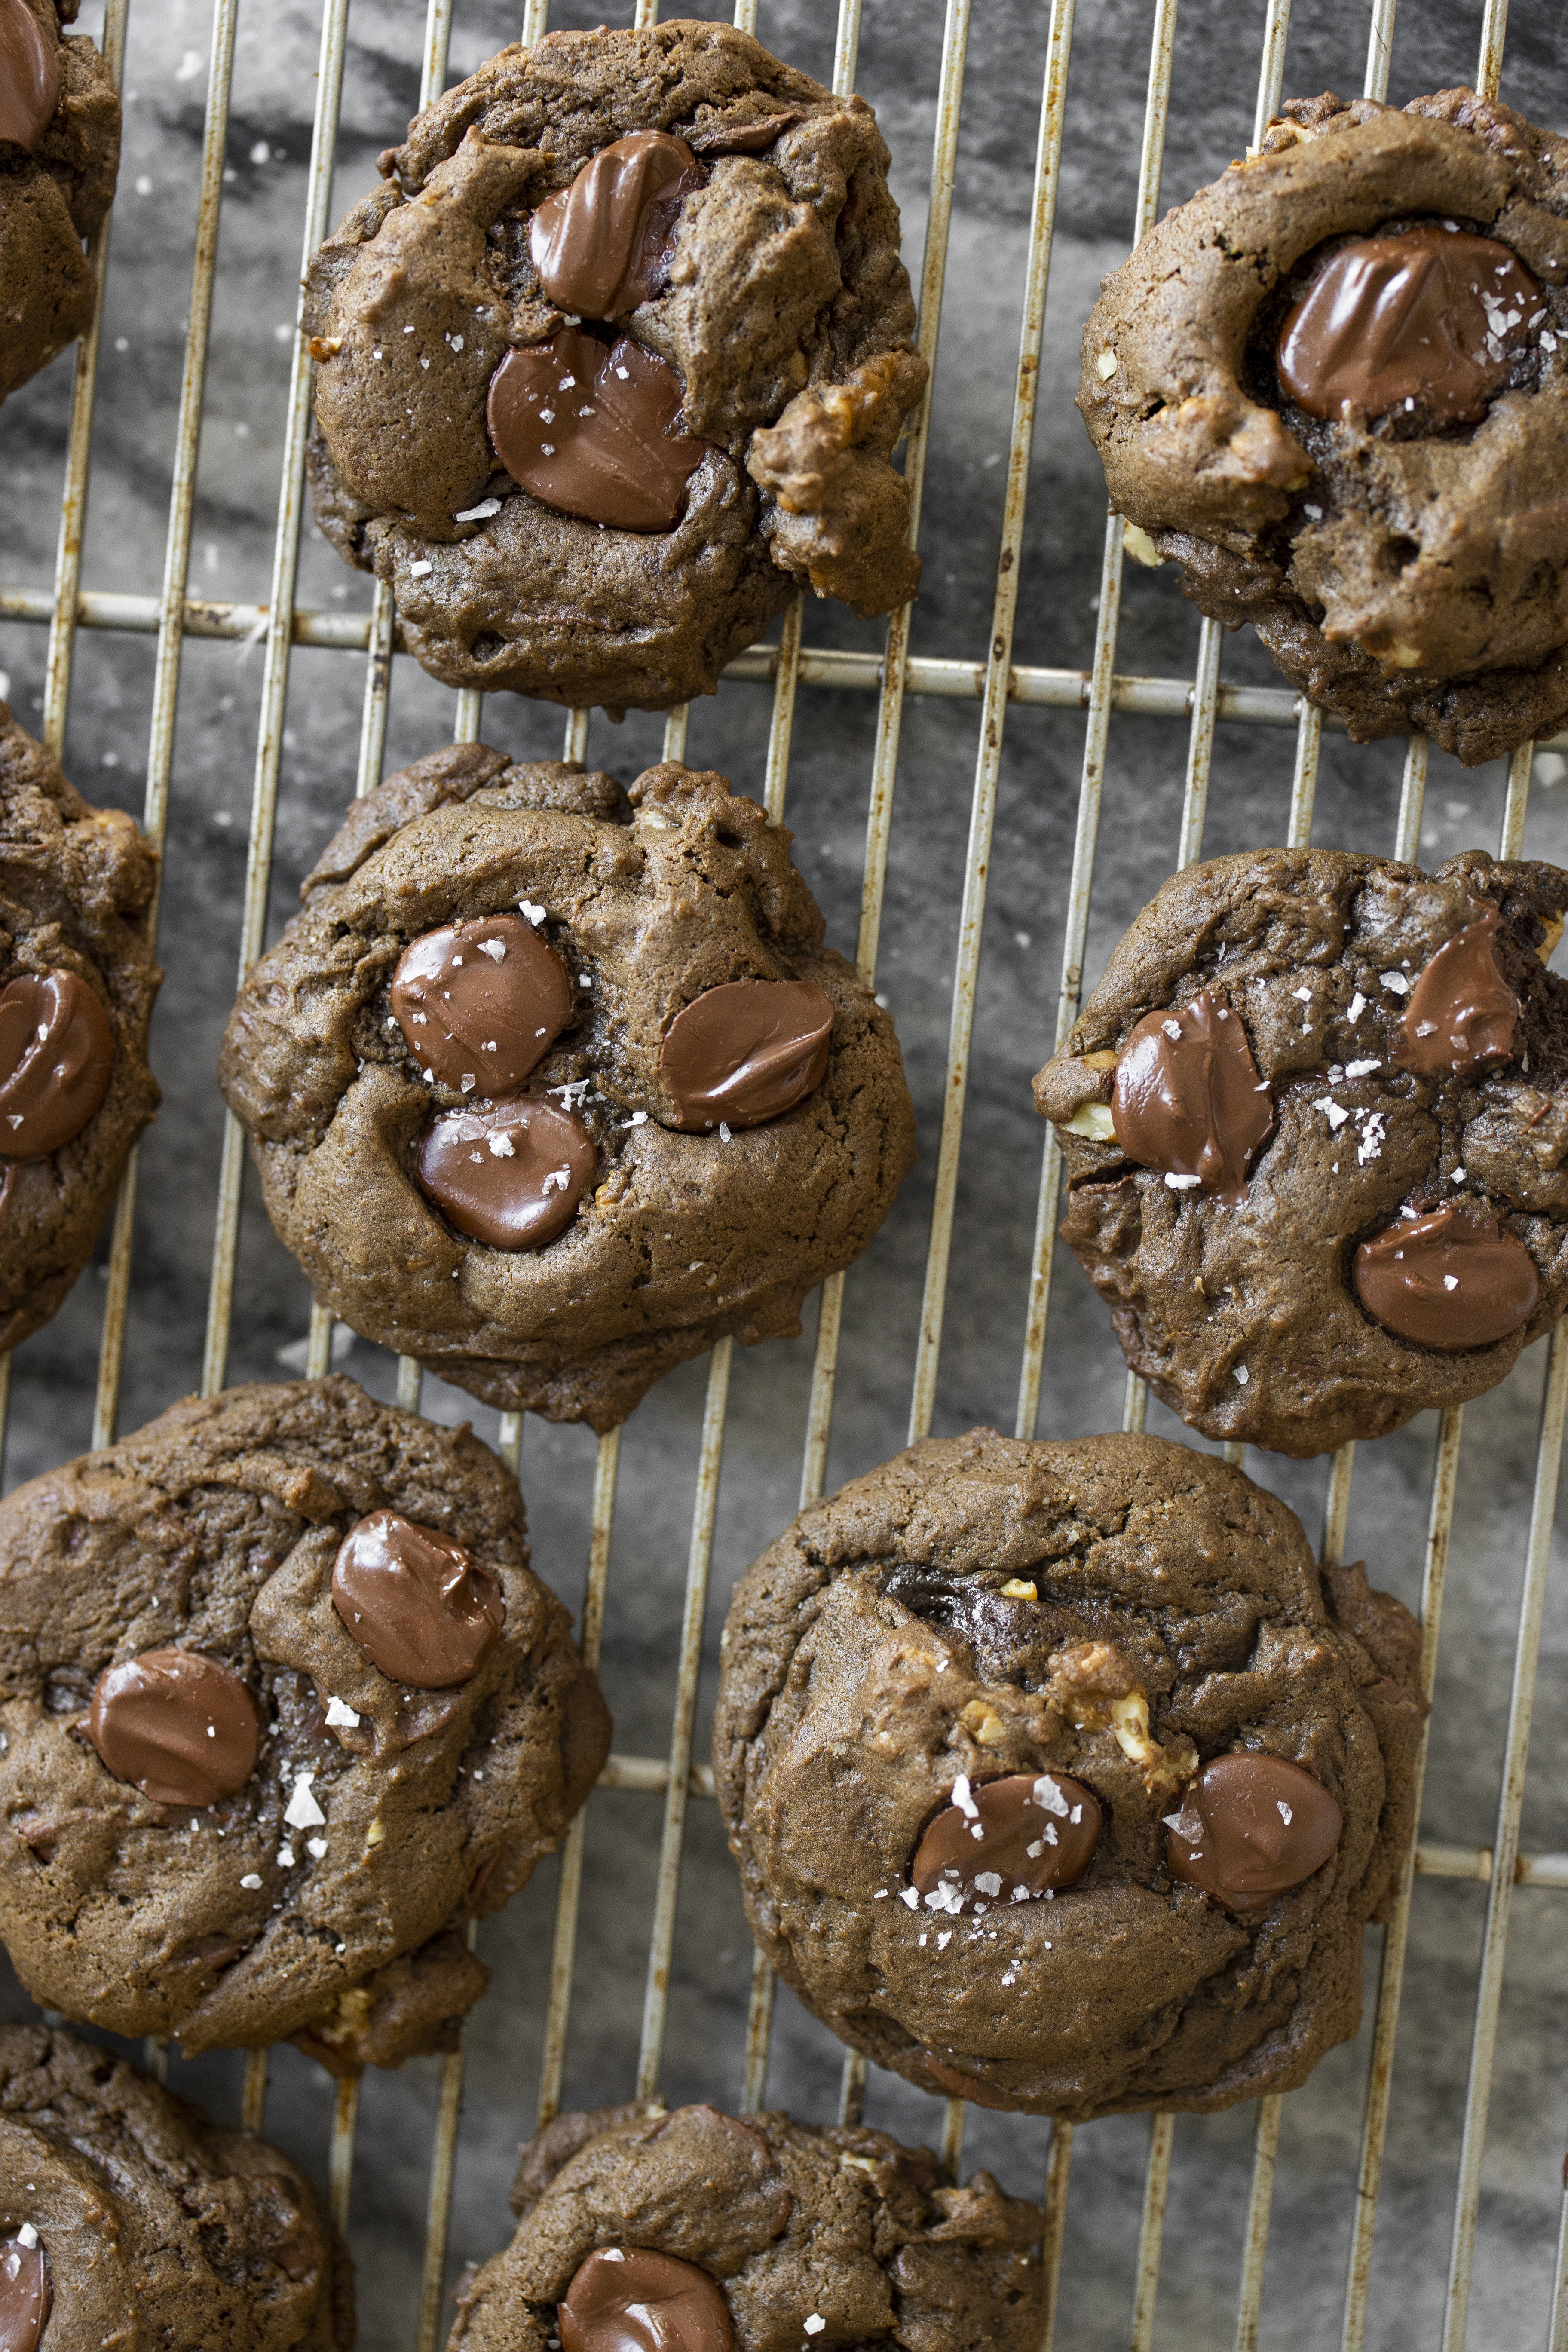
(1212,97)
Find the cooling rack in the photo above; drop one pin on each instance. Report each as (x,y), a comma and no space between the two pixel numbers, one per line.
(893,673)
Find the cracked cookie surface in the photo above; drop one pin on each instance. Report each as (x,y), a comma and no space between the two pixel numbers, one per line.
(75,882)
(1406,568)
(59,157)
(781,306)
(142,2210)
(662,1239)
(787,2234)
(1250,1316)
(1108,1614)
(316,1897)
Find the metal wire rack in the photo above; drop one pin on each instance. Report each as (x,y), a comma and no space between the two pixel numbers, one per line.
(173,615)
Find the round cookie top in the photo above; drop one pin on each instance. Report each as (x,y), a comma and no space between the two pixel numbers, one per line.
(76,987)
(627,295)
(699,1110)
(1376,1055)
(257,1752)
(742,2236)
(122,2201)
(1333,388)
(59,157)
(1054,1662)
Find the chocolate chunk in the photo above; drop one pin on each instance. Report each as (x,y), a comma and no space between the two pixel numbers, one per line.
(482,1003)
(27,2297)
(1430,316)
(1454,1278)
(29,74)
(509,1173)
(1188,1099)
(1005,1841)
(590,428)
(414,1603)
(747,1051)
(57,1050)
(629,2299)
(1461,1012)
(1251,1827)
(603,244)
(182,1729)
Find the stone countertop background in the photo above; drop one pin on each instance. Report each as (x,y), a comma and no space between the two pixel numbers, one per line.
(1212,98)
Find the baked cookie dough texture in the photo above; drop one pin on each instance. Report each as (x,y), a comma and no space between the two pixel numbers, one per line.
(1408,567)
(59,157)
(670,1228)
(77,986)
(750,2237)
(129,2221)
(300,1867)
(1407,1050)
(780,303)
(1118,1624)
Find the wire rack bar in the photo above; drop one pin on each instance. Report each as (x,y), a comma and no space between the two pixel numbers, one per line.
(1059,2166)
(1151,2231)
(1255,2244)
(988,761)
(1488,1993)
(166,670)
(1391,1972)
(552,2063)
(275,679)
(661,1943)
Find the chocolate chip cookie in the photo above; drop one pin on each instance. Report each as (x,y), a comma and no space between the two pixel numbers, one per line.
(1312,1121)
(616,360)
(122,2203)
(699,2231)
(280,1707)
(551,1087)
(1334,389)
(59,157)
(77,986)
(1059,1778)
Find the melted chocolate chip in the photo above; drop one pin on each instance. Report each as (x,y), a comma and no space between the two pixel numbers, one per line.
(481,1003)
(180,1727)
(590,428)
(29,74)
(1461,1012)
(629,2299)
(1188,1098)
(509,1173)
(57,1051)
(1454,1278)
(1251,1827)
(604,245)
(27,2296)
(414,1603)
(1430,316)
(1004,1841)
(747,1051)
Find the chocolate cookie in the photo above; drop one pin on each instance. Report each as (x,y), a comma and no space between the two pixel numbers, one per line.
(1059,1779)
(59,157)
(1313,1120)
(77,985)
(1333,388)
(121,2204)
(699,2232)
(616,360)
(280,1705)
(552,1088)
